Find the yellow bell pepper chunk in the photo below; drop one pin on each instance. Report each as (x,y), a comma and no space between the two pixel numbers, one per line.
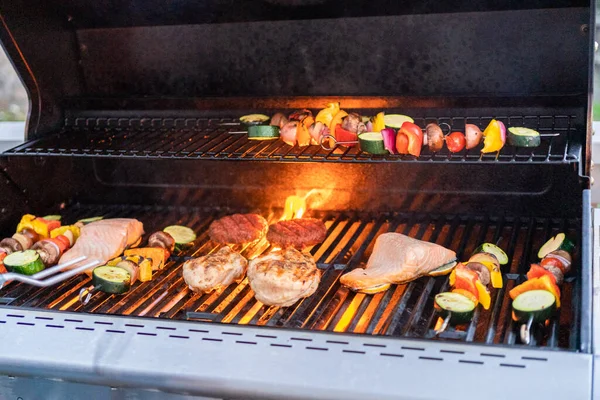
(484,296)
(25,222)
(41,228)
(378,122)
(452,278)
(62,229)
(326,115)
(494,140)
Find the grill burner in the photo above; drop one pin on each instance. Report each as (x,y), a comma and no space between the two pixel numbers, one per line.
(402,311)
(225,138)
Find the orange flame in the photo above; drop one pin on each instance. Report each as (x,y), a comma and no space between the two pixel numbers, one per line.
(295,206)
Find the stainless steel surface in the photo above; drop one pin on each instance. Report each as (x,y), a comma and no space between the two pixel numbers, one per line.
(265,363)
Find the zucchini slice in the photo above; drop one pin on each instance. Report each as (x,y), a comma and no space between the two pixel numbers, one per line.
(540,304)
(523,137)
(26,262)
(493,249)
(263,132)
(396,120)
(181,234)
(444,269)
(558,242)
(86,221)
(459,307)
(372,142)
(52,217)
(111,279)
(254,119)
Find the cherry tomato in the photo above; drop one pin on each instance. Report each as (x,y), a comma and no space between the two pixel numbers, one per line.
(455,142)
(62,242)
(554,262)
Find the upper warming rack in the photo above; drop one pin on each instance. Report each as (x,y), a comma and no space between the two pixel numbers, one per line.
(226,138)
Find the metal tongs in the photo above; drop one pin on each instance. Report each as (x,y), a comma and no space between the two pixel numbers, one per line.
(38,279)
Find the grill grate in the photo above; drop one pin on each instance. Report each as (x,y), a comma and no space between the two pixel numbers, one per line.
(402,311)
(225,138)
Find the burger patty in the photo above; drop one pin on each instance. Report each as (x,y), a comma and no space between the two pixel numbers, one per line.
(297,233)
(238,229)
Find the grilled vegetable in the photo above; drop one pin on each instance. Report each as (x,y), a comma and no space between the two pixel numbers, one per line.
(144,266)
(542,283)
(415,138)
(86,221)
(30,233)
(24,240)
(492,264)
(444,269)
(558,242)
(300,115)
(343,135)
(325,116)
(302,135)
(495,137)
(263,132)
(458,306)
(254,119)
(52,217)
(536,304)
(482,271)
(562,257)
(181,234)
(289,132)
(435,137)
(523,137)
(50,225)
(39,225)
(372,142)
(389,139)
(466,279)
(401,143)
(48,251)
(111,279)
(378,122)
(317,130)
(396,120)
(159,256)
(63,242)
(473,136)
(537,271)
(2,267)
(132,268)
(484,295)
(335,121)
(11,245)
(26,262)
(162,239)
(455,142)
(493,249)
(353,123)
(279,120)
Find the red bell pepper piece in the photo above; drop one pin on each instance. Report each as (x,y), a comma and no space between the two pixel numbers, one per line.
(536,271)
(342,135)
(466,280)
(2,267)
(415,137)
(401,143)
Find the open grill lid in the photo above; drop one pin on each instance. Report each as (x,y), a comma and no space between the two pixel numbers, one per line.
(138,55)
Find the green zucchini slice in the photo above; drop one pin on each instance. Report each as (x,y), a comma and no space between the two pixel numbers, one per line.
(493,249)
(263,132)
(26,262)
(539,304)
(523,137)
(115,280)
(372,142)
(181,234)
(558,242)
(396,120)
(459,307)
(254,119)
(86,221)
(52,217)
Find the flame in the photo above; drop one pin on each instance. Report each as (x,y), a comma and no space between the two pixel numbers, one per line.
(295,206)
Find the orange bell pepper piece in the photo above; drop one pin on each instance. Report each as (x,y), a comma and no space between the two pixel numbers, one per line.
(415,138)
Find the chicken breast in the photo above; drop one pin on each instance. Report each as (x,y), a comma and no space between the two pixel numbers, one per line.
(210,272)
(397,258)
(104,240)
(281,278)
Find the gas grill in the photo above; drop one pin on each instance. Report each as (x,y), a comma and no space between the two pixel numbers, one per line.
(135,113)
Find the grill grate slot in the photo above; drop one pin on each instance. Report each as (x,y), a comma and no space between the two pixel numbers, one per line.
(224,138)
(403,310)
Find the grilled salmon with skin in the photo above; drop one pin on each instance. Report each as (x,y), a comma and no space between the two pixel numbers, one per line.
(104,240)
(210,272)
(397,258)
(238,229)
(283,277)
(298,233)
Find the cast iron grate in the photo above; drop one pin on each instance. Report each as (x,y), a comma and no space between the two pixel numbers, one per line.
(225,138)
(402,311)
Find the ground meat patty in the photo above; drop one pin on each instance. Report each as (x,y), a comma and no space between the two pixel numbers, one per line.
(298,233)
(238,229)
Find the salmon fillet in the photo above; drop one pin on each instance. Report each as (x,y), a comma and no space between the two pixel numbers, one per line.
(104,240)
(397,258)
